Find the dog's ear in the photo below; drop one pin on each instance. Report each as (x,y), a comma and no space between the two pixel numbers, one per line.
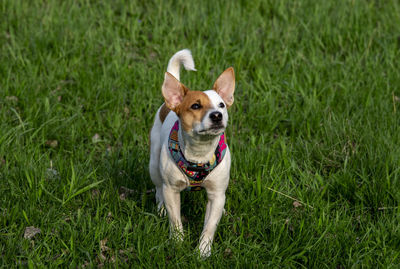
(173,91)
(225,86)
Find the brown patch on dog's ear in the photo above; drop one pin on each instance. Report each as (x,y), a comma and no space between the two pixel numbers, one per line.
(173,91)
(163,112)
(225,86)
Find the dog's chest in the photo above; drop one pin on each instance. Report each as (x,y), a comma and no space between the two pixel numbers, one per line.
(196,173)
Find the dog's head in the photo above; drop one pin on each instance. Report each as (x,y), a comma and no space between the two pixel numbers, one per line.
(201,113)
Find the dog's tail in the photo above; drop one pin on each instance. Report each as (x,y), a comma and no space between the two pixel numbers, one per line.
(181,57)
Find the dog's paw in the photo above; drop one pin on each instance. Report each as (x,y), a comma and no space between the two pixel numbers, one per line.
(177,235)
(204,250)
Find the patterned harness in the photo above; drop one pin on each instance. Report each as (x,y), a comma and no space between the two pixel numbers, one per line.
(196,172)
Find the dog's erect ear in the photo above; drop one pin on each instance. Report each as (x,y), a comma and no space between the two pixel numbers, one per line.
(173,91)
(225,86)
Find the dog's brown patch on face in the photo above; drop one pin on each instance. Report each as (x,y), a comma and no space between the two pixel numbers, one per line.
(163,112)
(187,114)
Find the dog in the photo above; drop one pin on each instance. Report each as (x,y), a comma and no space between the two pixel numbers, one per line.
(188,147)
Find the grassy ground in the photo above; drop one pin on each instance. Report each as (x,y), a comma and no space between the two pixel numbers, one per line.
(315,119)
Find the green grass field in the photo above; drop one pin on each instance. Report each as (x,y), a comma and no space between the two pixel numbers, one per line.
(314,132)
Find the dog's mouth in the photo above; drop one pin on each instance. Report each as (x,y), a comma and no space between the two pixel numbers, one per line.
(214,129)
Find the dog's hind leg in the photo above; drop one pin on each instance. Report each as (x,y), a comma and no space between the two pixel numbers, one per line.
(160,202)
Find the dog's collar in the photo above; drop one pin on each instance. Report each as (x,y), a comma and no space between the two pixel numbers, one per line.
(196,172)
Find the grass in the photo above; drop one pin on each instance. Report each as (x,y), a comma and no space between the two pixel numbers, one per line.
(314,131)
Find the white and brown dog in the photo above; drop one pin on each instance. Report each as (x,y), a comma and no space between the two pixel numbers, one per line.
(188,146)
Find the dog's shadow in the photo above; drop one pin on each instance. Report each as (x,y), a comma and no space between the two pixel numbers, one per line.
(128,171)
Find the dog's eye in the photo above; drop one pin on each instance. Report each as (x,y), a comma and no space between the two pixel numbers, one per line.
(221,105)
(195,106)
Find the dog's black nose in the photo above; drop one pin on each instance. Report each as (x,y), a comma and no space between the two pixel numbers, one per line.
(216,117)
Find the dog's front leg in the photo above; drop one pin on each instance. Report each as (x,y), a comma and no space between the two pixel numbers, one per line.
(215,207)
(172,201)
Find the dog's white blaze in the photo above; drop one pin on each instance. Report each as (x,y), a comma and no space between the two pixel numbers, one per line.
(215,100)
